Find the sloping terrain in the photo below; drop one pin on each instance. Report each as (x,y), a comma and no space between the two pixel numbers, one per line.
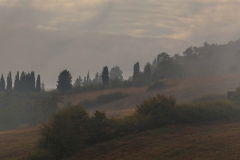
(218,141)
(184,89)
(214,141)
(18,144)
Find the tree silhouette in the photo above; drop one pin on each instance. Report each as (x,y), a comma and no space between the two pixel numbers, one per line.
(105,76)
(16,81)
(64,82)
(136,71)
(116,73)
(32,81)
(147,71)
(9,81)
(38,84)
(2,83)
(78,82)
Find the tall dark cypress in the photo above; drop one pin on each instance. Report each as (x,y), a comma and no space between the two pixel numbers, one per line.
(88,77)
(23,77)
(27,85)
(136,71)
(32,81)
(22,82)
(105,76)
(16,82)
(2,83)
(38,84)
(147,70)
(9,81)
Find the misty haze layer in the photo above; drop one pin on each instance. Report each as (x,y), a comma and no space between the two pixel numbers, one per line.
(49,36)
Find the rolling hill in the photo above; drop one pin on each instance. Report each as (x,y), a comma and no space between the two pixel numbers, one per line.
(184,89)
(208,141)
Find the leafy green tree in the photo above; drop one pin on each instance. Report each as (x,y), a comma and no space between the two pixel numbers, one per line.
(116,73)
(136,71)
(9,81)
(64,82)
(65,133)
(163,58)
(2,83)
(105,76)
(38,84)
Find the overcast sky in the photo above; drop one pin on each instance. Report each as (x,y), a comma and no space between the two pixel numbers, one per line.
(48,36)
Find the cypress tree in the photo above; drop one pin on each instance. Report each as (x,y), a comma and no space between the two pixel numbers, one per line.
(2,83)
(88,77)
(147,70)
(16,82)
(23,77)
(38,84)
(105,76)
(22,82)
(32,81)
(9,81)
(28,82)
(136,71)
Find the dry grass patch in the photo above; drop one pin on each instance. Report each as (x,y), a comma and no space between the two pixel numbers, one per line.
(18,144)
(214,141)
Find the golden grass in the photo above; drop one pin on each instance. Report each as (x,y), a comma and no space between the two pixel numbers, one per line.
(215,141)
(212,141)
(18,144)
(184,89)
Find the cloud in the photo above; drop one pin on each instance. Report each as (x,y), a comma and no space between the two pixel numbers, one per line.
(48,35)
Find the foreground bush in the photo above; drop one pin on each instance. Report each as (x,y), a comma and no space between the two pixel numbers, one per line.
(71,130)
(65,133)
(156,112)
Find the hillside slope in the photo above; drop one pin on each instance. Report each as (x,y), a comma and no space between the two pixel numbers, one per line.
(211,141)
(214,141)
(184,89)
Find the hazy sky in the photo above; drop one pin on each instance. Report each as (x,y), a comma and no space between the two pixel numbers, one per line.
(48,36)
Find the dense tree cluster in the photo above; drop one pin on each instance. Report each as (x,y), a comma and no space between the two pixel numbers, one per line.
(25,82)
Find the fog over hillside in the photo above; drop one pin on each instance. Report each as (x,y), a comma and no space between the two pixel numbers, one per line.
(81,36)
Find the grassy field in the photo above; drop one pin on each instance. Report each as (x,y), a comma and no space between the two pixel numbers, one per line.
(18,144)
(211,141)
(214,141)
(184,89)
